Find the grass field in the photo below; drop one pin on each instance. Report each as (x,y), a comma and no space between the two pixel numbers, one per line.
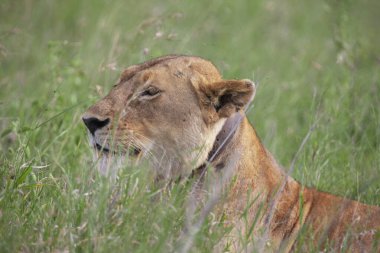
(316,63)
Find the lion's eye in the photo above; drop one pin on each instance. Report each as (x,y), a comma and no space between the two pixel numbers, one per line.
(151,91)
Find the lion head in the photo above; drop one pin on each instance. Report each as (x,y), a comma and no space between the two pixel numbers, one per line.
(168,110)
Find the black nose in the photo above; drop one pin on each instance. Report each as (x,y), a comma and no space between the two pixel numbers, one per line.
(93,123)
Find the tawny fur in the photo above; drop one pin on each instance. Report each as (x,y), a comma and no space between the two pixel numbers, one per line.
(178,129)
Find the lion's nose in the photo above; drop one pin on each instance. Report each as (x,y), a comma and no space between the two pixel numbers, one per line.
(94,124)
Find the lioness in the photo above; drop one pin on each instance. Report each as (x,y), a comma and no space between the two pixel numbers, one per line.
(178,111)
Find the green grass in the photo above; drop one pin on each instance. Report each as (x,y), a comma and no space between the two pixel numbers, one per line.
(315,62)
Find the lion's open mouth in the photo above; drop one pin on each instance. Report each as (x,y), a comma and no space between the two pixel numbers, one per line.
(132,151)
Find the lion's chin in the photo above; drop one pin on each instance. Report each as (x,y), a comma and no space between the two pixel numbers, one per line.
(108,164)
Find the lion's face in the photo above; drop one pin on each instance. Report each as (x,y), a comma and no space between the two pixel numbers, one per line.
(161,110)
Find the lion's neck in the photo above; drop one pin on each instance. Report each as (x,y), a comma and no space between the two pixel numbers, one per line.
(255,168)
(259,182)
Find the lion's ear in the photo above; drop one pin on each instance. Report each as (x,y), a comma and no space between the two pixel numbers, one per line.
(227,96)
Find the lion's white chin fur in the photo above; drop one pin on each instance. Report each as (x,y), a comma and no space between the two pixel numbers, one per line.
(107,164)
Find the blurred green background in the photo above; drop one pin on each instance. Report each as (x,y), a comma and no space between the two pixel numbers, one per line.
(315,63)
